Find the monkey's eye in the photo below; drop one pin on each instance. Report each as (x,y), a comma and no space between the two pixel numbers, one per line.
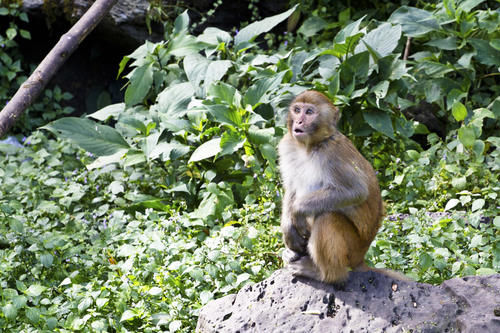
(296,110)
(309,111)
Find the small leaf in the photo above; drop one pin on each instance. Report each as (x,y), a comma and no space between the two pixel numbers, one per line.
(451,204)
(478,204)
(11,33)
(459,111)
(175,326)
(467,136)
(35,290)
(127,315)
(155,291)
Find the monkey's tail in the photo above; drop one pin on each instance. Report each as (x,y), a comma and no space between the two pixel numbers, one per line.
(387,272)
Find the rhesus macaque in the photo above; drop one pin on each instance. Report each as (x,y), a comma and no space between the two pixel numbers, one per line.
(332,206)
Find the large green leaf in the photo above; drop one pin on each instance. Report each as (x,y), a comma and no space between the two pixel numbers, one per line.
(350,30)
(224,114)
(183,45)
(415,22)
(110,111)
(206,150)
(383,40)
(174,100)
(100,140)
(215,71)
(256,93)
(141,80)
(214,36)
(231,142)
(248,33)
(380,121)
(485,54)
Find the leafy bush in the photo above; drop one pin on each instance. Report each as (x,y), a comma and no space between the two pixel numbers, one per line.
(78,250)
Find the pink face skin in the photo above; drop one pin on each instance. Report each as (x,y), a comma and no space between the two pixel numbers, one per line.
(303,116)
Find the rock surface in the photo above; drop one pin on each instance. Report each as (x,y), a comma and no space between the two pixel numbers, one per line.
(368,302)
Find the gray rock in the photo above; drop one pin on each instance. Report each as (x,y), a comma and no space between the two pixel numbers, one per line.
(367,302)
(125,20)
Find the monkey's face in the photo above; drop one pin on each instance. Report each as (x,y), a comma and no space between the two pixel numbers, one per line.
(303,120)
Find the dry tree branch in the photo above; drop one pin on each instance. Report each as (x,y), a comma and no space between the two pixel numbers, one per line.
(31,88)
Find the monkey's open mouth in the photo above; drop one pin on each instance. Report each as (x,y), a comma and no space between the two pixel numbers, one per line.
(298,131)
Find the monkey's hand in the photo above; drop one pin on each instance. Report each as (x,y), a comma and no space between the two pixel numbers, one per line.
(295,234)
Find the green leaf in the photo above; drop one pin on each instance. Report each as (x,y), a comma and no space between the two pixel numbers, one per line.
(127,315)
(224,92)
(33,315)
(248,33)
(214,36)
(449,43)
(206,150)
(485,54)
(215,71)
(9,311)
(359,64)
(311,26)
(478,148)
(174,100)
(35,290)
(25,34)
(110,111)
(334,86)
(231,142)
(415,22)
(46,259)
(11,33)
(256,93)
(383,40)
(478,204)
(451,204)
(181,23)
(225,115)
(380,121)
(467,136)
(84,304)
(425,261)
(141,80)
(175,326)
(98,139)
(350,30)
(459,111)
(183,45)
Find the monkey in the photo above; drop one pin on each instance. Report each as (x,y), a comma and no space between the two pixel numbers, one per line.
(332,206)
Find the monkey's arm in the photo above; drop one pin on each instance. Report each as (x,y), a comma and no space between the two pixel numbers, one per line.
(294,227)
(332,198)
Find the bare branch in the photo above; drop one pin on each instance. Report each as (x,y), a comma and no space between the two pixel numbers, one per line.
(31,89)
(407,49)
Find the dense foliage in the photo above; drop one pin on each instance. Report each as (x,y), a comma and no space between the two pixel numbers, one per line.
(142,212)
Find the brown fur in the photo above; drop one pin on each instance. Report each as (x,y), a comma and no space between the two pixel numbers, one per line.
(332,207)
